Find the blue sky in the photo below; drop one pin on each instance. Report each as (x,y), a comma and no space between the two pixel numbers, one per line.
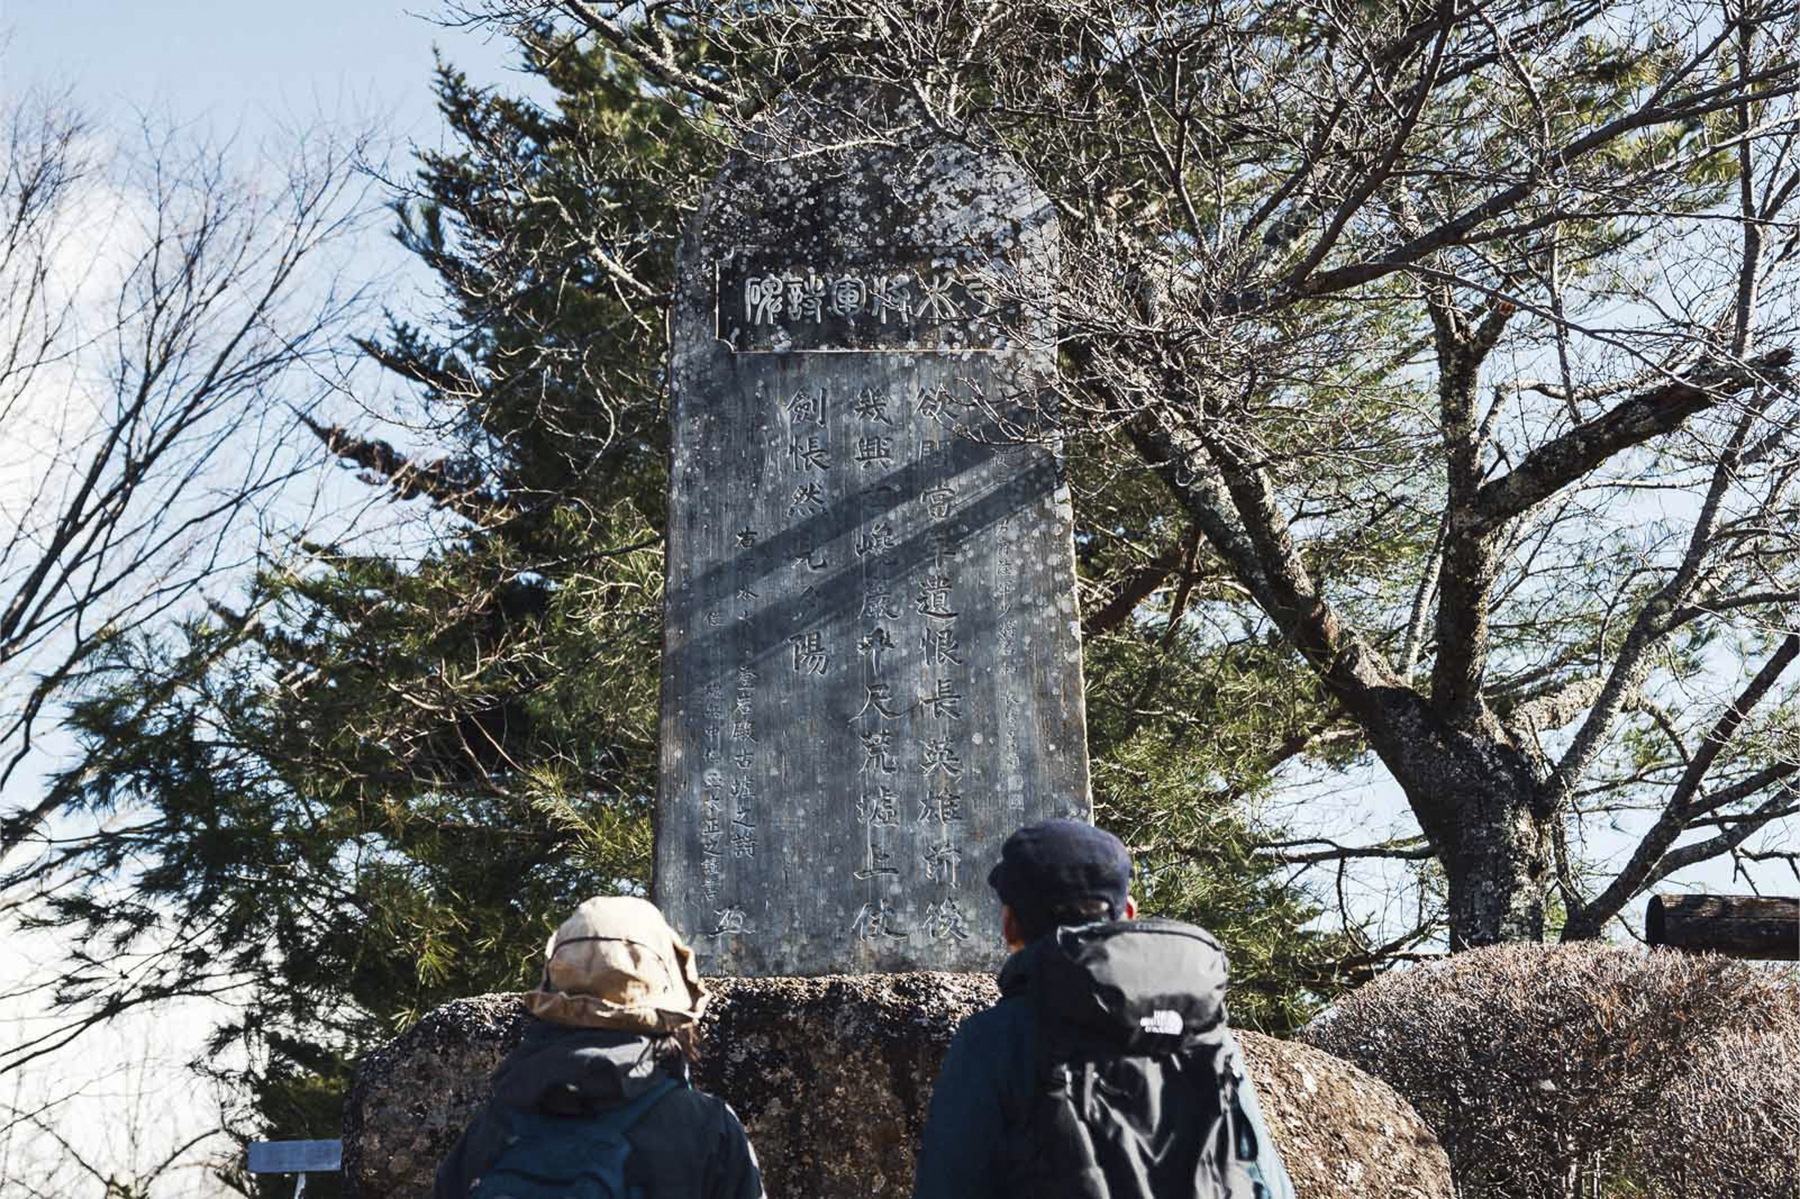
(253,73)
(255,77)
(243,66)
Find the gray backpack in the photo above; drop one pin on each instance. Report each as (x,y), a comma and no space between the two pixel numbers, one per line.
(1135,1095)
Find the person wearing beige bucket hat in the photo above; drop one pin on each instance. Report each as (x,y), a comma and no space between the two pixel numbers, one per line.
(596,1101)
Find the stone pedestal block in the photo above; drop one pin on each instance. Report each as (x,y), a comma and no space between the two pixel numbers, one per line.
(832,1077)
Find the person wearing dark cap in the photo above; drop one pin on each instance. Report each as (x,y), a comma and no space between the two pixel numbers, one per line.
(1107,1070)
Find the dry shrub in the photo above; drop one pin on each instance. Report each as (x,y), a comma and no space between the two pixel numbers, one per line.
(1729,1128)
(1537,1065)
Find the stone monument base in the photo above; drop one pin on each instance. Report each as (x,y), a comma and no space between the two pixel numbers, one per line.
(832,1077)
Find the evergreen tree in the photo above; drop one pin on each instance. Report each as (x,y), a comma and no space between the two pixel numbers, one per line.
(375,782)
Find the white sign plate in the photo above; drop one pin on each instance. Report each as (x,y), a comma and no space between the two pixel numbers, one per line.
(295,1157)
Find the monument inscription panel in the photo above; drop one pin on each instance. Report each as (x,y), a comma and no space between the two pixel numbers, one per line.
(872,660)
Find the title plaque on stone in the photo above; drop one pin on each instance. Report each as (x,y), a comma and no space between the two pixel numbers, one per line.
(872,656)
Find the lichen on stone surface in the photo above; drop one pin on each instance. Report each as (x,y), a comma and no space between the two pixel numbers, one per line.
(833,1076)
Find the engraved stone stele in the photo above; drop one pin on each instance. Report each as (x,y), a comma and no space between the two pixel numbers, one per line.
(872,658)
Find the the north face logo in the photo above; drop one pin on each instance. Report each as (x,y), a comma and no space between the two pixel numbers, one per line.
(1162,1021)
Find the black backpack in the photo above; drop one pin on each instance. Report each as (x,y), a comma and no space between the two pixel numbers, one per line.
(1135,1095)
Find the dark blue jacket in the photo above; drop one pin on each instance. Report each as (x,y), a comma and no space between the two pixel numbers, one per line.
(986,1085)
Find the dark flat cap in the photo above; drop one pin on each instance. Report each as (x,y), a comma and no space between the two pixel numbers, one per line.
(1043,866)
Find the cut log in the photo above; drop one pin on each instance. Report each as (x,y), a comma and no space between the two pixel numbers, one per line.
(1742,926)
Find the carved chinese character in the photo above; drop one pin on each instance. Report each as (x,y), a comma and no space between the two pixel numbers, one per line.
(745,595)
(875,451)
(874,645)
(880,696)
(763,298)
(943,548)
(879,602)
(812,560)
(936,403)
(938,500)
(890,296)
(945,920)
(805,296)
(880,861)
(743,756)
(934,299)
(746,537)
(872,405)
(878,752)
(808,407)
(849,295)
(875,920)
(743,841)
(940,646)
(810,656)
(941,807)
(934,597)
(945,700)
(877,540)
(882,808)
(940,756)
(733,922)
(811,454)
(941,862)
(808,499)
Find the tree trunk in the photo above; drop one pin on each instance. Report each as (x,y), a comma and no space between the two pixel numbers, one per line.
(1498,877)
(1745,926)
(1498,862)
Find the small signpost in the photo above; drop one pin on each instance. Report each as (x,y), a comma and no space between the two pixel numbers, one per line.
(1741,926)
(298,1158)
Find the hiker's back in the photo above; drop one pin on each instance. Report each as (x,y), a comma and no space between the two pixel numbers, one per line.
(596,1102)
(572,1155)
(1134,1094)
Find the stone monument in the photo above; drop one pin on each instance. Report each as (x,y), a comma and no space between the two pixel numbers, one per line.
(872,657)
(872,672)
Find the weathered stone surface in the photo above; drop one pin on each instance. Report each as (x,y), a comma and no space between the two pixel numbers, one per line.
(833,1078)
(872,657)
(1341,1132)
(412,1098)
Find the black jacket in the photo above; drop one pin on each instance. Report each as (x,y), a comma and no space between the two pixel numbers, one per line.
(689,1145)
(987,1083)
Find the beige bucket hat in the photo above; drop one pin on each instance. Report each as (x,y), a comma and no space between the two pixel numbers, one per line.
(617,964)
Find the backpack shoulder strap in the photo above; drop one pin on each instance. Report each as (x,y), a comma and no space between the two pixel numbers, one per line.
(1244,1137)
